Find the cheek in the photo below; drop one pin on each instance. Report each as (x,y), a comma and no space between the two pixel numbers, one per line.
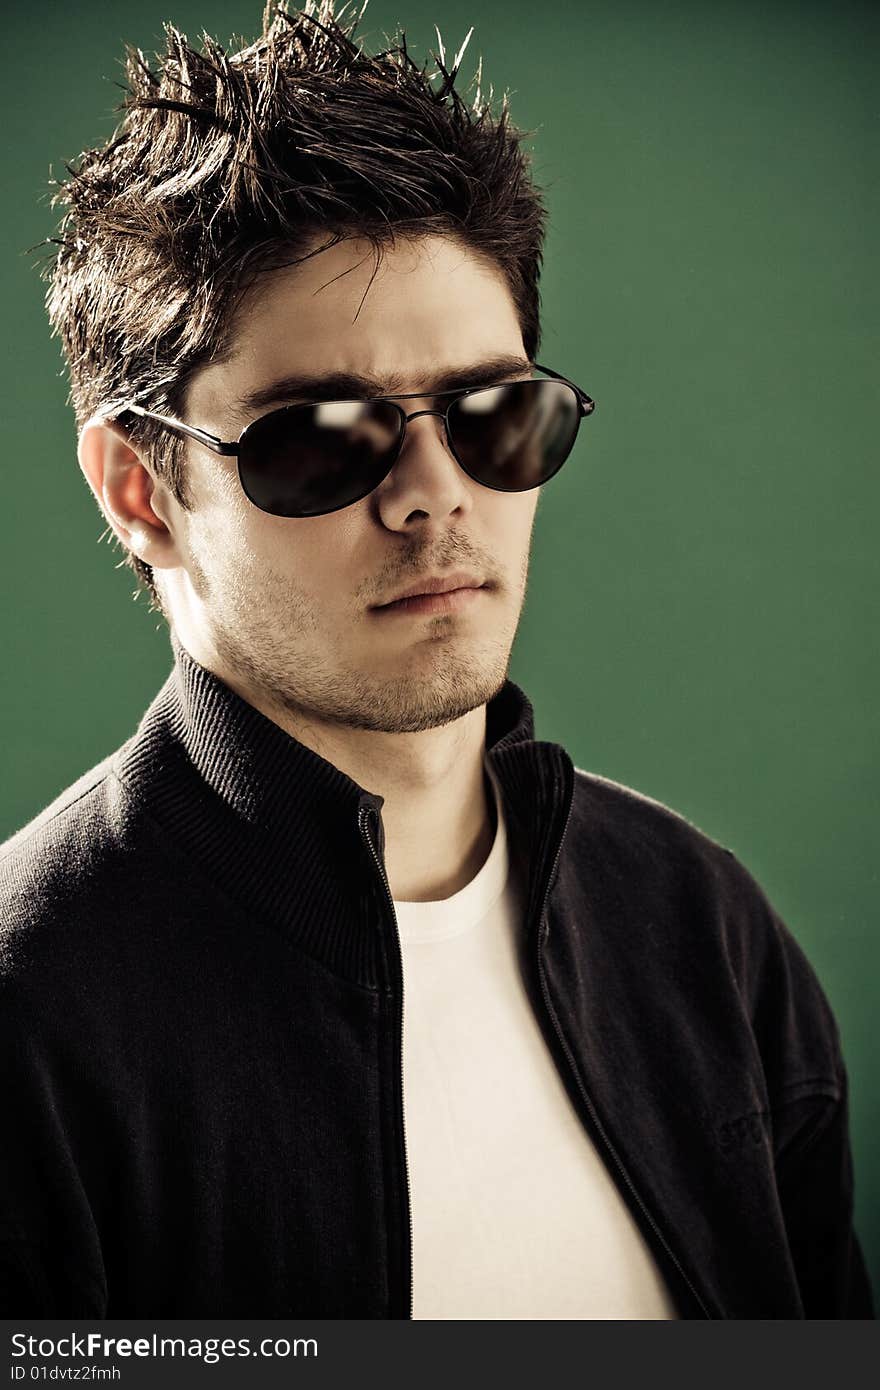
(520,526)
(514,520)
(221,519)
(231,542)
(309,554)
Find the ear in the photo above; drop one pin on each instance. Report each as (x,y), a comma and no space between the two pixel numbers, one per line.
(137,507)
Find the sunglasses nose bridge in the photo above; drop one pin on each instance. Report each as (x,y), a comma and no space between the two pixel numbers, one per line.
(414,415)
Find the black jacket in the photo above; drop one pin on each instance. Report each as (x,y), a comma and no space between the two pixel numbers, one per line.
(201,1035)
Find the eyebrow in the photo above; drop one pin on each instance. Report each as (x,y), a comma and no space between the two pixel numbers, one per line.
(353,386)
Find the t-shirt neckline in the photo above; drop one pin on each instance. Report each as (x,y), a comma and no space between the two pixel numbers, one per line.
(422,922)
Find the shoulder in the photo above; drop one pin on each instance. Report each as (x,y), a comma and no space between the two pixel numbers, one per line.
(667,864)
(642,836)
(57,866)
(676,895)
(73,823)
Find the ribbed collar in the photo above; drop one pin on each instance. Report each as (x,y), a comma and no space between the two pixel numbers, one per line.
(276,827)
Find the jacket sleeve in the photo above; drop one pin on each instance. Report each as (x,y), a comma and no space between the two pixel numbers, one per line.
(814,1176)
(50,1260)
(808,1089)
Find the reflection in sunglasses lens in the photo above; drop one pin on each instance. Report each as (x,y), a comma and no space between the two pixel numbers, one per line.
(514,437)
(314,459)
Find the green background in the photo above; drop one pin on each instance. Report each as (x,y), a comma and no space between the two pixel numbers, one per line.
(701,617)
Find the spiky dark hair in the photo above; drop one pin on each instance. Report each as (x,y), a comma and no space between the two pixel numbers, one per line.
(226,164)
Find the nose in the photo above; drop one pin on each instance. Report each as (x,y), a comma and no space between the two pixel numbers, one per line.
(426,483)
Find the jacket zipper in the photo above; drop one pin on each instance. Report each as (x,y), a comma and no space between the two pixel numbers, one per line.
(363,816)
(543,933)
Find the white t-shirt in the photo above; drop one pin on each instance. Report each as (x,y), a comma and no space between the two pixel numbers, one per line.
(514,1214)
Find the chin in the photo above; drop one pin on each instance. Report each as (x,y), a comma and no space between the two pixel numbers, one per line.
(413,703)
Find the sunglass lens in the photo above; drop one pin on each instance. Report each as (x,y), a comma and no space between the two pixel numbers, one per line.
(514,437)
(307,460)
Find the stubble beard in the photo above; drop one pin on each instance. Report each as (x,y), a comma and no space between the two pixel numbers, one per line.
(443,683)
(444,676)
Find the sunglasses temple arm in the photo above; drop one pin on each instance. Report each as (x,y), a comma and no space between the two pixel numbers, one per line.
(191,431)
(588,405)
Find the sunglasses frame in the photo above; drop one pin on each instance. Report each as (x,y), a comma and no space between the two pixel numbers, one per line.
(233,448)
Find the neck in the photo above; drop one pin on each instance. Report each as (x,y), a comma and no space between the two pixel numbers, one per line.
(438,813)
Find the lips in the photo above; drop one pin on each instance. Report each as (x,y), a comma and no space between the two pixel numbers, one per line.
(435,584)
(432,605)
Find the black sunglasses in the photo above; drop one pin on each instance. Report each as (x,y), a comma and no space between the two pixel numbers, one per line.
(309,460)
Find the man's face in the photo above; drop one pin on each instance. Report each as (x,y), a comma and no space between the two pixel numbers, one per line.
(286,607)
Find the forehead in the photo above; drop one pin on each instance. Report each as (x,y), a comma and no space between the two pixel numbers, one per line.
(426,304)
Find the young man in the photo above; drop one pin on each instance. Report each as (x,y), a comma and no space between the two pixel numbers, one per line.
(298,299)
